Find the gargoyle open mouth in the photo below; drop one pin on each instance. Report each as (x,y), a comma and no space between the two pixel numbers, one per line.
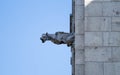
(42,40)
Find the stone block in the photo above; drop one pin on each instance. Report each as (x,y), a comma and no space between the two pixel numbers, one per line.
(116,24)
(79,26)
(93,23)
(79,69)
(87,2)
(93,38)
(107,8)
(106,26)
(98,54)
(112,68)
(109,69)
(97,24)
(116,8)
(106,39)
(102,39)
(115,0)
(79,57)
(111,8)
(117,68)
(93,9)
(79,12)
(116,54)
(114,39)
(111,39)
(79,2)
(79,42)
(93,68)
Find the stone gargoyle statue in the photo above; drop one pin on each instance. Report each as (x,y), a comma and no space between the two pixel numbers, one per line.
(59,38)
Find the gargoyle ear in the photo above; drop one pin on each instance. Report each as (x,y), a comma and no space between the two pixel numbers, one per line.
(46,33)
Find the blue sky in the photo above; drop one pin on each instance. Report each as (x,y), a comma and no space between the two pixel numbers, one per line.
(21,24)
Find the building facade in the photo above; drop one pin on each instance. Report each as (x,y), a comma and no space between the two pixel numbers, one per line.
(96,50)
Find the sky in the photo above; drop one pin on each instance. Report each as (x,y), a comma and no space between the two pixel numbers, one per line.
(22,22)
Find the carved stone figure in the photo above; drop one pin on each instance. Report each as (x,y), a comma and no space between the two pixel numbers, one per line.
(59,38)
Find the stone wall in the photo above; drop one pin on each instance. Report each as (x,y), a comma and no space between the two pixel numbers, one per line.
(97,37)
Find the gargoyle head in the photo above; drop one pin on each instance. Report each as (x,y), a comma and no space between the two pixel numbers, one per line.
(44,38)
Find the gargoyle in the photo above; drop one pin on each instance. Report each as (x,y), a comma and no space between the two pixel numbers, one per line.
(59,38)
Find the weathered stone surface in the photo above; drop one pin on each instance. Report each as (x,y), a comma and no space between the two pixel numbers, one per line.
(115,0)
(97,24)
(93,38)
(116,24)
(107,6)
(79,2)
(79,12)
(99,47)
(106,26)
(109,69)
(116,8)
(79,69)
(111,9)
(92,68)
(112,68)
(79,26)
(87,2)
(98,54)
(79,42)
(117,68)
(111,39)
(116,54)
(79,57)
(106,39)
(93,9)
(114,39)
(93,23)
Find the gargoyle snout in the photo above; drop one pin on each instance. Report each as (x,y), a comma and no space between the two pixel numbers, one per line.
(42,40)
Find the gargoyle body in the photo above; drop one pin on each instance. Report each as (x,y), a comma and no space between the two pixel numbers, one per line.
(59,38)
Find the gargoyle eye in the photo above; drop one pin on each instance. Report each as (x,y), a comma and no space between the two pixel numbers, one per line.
(44,37)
